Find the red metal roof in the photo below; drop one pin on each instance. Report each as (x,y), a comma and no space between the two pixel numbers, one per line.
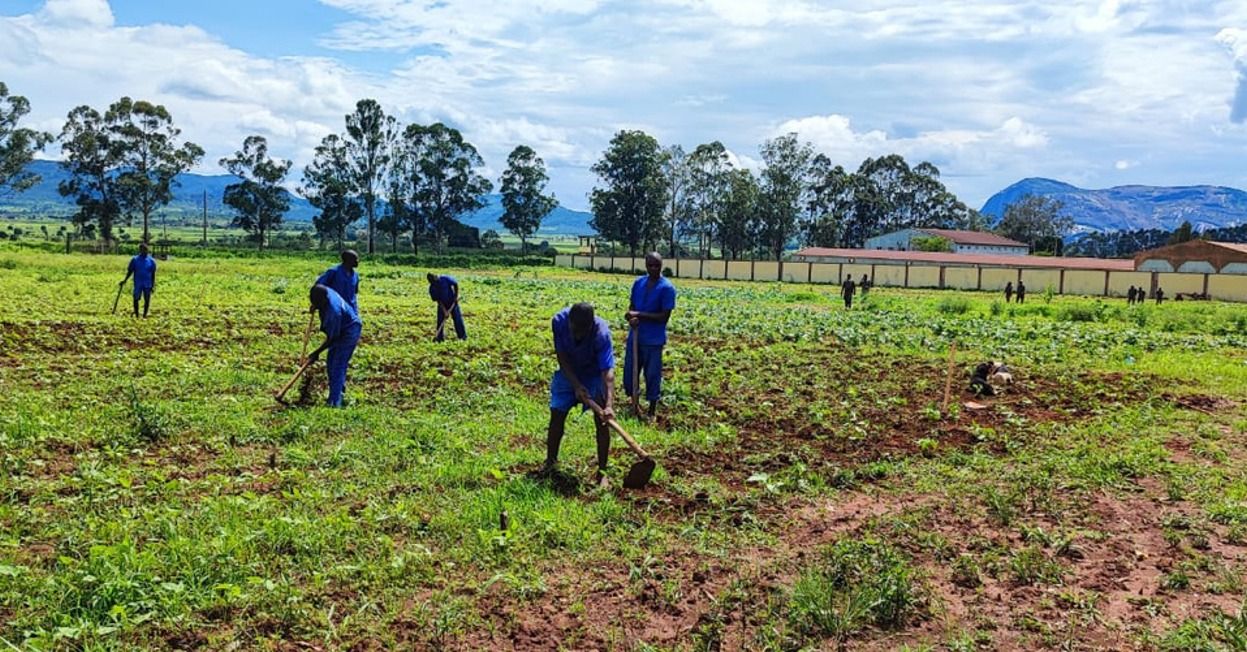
(969,259)
(1233,246)
(981,238)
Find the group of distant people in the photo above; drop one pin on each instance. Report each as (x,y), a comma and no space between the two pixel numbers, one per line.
(1139,295)
(1020,292)
(849,287)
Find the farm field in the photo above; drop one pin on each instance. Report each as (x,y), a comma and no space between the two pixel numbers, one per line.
(811,493)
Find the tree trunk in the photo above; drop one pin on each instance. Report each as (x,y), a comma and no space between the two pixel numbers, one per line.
(368,203)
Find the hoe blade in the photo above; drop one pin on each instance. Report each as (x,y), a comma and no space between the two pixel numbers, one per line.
(638,476)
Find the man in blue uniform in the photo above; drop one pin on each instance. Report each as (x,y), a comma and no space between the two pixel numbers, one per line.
(343,279)
(653,299)
(341,326)
(143,267)
(445,291)
(582,343)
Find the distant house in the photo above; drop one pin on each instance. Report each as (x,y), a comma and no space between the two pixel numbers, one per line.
(963,242)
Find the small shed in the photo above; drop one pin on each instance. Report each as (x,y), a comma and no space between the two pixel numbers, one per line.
(1196,257)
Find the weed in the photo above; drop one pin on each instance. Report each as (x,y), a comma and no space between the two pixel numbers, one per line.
(953,305)
(1031,566)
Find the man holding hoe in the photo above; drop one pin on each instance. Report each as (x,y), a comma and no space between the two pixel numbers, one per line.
(143,267)
(586,374)
(341,326)
(343,279)
(444,290)
(649,310)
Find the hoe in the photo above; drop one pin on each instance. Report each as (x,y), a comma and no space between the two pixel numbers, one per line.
(307,334)
(639,475)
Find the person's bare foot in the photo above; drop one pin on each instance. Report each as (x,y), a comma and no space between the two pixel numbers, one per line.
(601,481)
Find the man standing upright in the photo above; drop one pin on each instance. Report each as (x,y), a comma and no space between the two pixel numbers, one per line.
(586,355)
(1009,291)
(343,279)
(444,290)
(649,309)
(341,326)
(143,267)
(847,290)
(1021,292)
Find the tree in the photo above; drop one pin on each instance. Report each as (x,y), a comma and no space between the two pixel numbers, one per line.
(1035,218)
(370,136)
(329,186)
(435,180)
(258,200)
(92,163)
(17,145)
(676,173)
(491,240)
(523,204)
(629,206)
(829,203)
(1184,233)
(737,223)
(709,184)
(785,182)
(149,155)
(931,243)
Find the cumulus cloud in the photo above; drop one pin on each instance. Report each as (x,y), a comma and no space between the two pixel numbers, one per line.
(1235,40)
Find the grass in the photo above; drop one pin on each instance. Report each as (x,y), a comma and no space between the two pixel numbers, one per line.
(810,490)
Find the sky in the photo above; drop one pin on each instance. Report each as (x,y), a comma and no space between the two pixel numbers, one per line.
(1096,93)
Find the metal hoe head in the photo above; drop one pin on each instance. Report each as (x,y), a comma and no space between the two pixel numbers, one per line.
(639,475)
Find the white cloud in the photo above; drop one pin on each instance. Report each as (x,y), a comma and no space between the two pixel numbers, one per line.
(1124,164)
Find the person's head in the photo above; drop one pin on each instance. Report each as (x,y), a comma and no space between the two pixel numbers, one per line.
(653,264)
(432,277)
(143,248)
(581,318)
(350,259)
(318,296)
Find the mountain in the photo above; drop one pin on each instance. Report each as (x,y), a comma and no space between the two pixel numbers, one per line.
(1126,208)
(44,199)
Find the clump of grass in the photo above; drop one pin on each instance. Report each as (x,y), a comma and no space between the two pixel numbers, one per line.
(149,424)
(857,584)
(1031,566)
(953,305)
(1077,312)
(1215,632)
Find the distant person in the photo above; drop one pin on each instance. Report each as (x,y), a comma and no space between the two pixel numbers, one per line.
(847,291)
(1021,292)
(343,279)
(1160,295)
(1008,291)
(1141,297)
(649,309)
(341,326)
(586,355)
(143,268)
(865,285)
(444,290)
(1130,295)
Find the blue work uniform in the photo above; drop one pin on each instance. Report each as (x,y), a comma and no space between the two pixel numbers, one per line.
(445,291)
(143,267)
(341,326)
(343,281)
(649,336)
(589,358)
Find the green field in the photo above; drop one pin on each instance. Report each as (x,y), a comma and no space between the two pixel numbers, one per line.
(813,491)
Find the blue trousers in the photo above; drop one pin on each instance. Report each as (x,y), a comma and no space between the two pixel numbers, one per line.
(460,330)
(651,369)
(338,360)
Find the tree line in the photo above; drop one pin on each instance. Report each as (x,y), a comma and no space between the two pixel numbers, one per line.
(414,180)
(413,183)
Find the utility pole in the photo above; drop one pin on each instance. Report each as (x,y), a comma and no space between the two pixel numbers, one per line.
(205,218)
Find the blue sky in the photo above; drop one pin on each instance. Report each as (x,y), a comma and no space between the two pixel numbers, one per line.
(1092,92)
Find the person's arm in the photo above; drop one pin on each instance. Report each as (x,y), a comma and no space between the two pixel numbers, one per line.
(332,330)
(454,292)
(608,381)
(660,316)
(129,271)
(153,277)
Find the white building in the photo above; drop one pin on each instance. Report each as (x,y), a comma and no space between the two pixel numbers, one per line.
(963,242)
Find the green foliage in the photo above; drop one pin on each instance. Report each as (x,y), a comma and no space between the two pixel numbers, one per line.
(629,204)
(18,145)
(931,243)
(523,202)
(856,584)
(953,305)
(259,201)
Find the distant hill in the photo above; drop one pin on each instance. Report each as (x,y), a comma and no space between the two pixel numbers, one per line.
(1128,208)
(44,199)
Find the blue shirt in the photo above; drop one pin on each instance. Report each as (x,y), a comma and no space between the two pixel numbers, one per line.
(659,297)
(143,266)
(338,317)
(343,281)
(443,290)
(591,355)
